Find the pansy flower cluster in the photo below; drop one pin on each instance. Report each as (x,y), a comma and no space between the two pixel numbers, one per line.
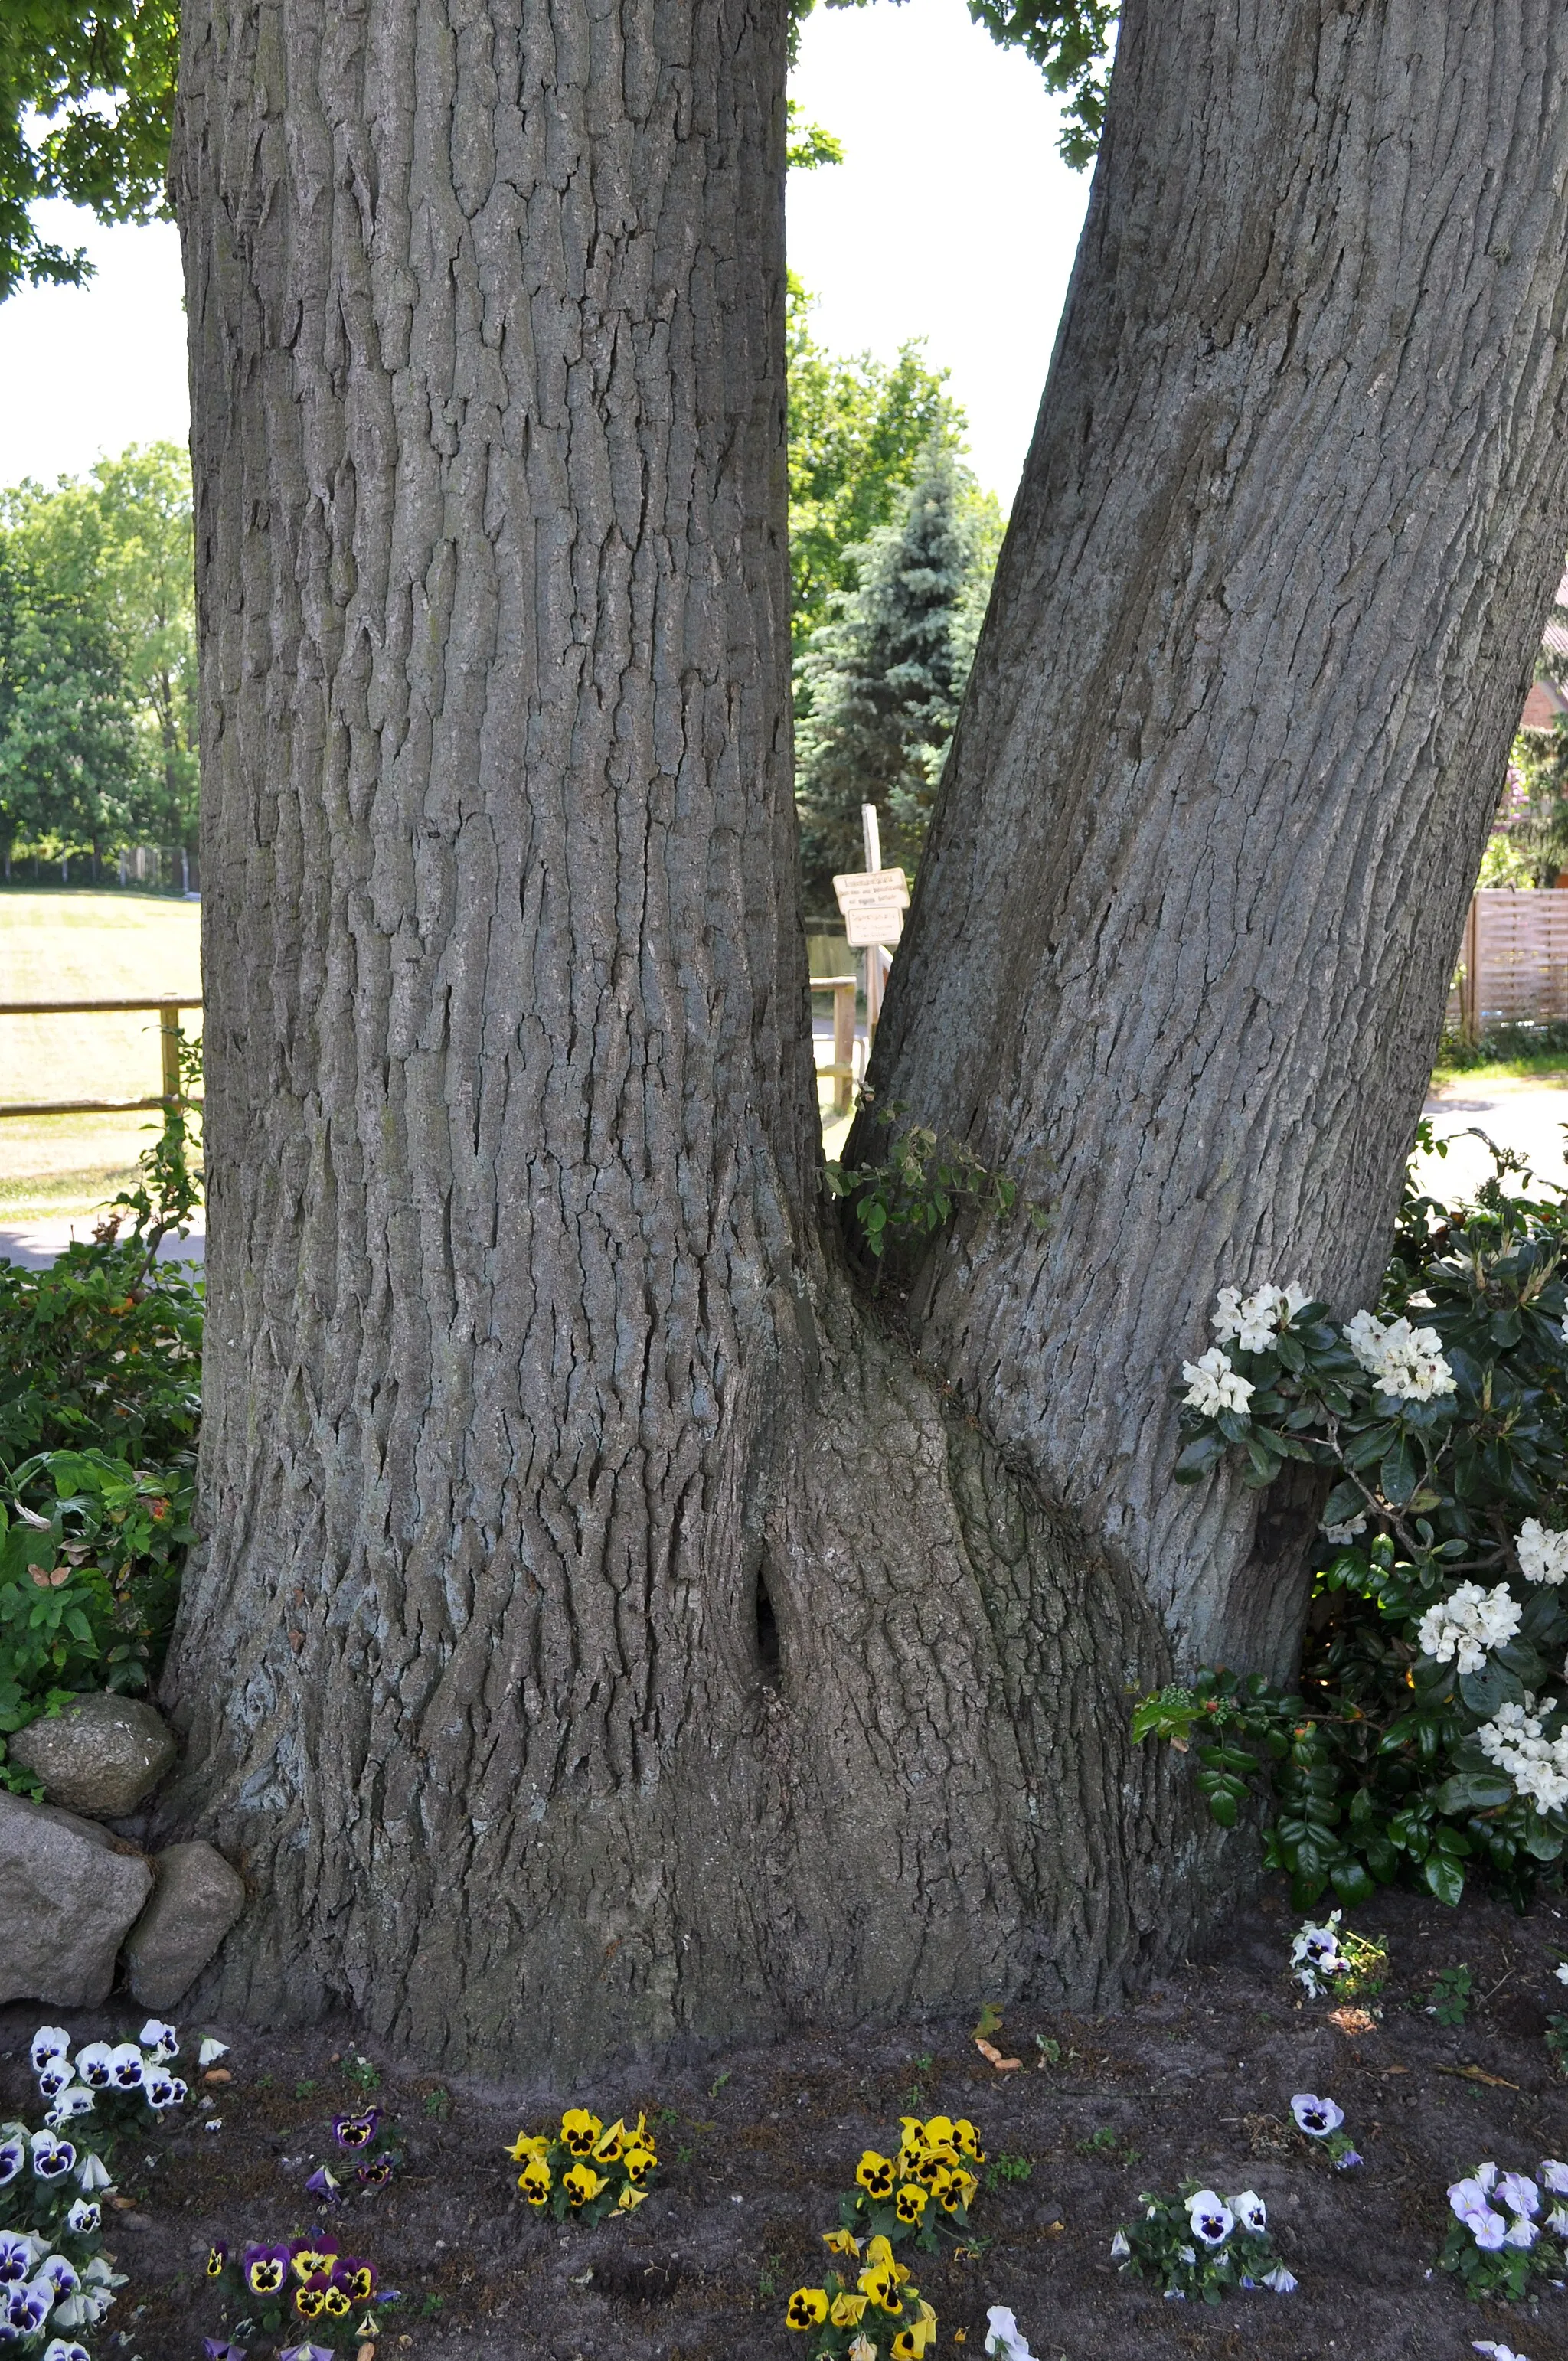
(882,2316)
(367,2155)
(1202,2244)
(55,2279)
(926,2187)
(303,2289)
(118,2084)
(587,2169)
(1506,2229)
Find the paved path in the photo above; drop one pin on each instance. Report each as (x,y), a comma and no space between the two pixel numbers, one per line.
(1526,1114)
(35,1245)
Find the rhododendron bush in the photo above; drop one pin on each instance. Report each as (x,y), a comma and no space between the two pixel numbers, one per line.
(1428,1735)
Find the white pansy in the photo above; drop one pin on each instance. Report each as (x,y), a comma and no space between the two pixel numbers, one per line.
(91,2174)
(1404,1362)
(1543,1554)
(1282,2281)
(1537,1765)
(83,2218)
(1250,2212)
(211,2051)
(1316,2117)
(1498,2352)
(1212,1385)
(1560,1971)
(1004,2337)
(128,2066)
(1550,2172)
(1464,1627)
(161,2039)
(1315,1955)
(1212,2218)
(59,2349)
(95,2065)
(50,2041)
(1119,2250)
(76,2100)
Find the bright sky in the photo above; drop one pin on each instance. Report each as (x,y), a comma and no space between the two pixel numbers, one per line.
(953,218)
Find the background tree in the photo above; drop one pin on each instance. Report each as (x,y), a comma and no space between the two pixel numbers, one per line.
(858,430)
(68,758)
(880,684)
(86,101)
(116,549)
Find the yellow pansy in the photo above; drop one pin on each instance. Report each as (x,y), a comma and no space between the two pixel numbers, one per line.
(639,2163)
(308,2303)
(910,2343)
(847,2309)
(336,2303)
(881,2284)
(875,2174)
(914,2131)
(807,2308)
(583,2184)
(534,2181)
(312,2264)
(911,2202)
(630,2199)
(527,2144)
(938,2131)
(878,2253)
(964,2136)
(610,2143)
(840,2242)
(579,2130)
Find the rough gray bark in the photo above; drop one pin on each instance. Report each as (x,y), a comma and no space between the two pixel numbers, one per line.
(1262,628)
(603,1635)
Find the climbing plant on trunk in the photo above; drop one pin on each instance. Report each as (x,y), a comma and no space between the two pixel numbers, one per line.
(612,1626)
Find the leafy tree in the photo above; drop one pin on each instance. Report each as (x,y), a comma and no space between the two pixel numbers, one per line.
(86,102)
(116,547)
(883,680)
(858,430)
(69,760)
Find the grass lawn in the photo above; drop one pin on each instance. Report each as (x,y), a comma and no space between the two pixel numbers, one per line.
(84,945)
(1548,1066)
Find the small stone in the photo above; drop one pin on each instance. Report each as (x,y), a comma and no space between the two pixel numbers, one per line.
(68,1891)
(101,1754)
(195,1901)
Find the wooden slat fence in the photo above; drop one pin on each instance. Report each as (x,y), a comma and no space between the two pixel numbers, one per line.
(1513,961)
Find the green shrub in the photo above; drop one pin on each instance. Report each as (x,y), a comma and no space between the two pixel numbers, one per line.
(1428,1736)
(100,1371)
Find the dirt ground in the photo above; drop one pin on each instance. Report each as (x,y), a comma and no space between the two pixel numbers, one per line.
(757,2142)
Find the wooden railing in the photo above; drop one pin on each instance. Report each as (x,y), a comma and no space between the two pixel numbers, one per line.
(843,989)
(168,1009)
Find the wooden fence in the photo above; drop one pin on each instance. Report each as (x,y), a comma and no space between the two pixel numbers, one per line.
(1513,960)
(167,1010)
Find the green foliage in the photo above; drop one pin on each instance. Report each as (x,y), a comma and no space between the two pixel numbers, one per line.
(98,654)
(1448,1995)
(86,106)
(917,1187)
(1391,1761)
(1011,2170)
(809,146)
(89,1554)
(858,432)
(1069,40)
(880,684)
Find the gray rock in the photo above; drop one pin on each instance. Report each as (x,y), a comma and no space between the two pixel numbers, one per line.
(195,1901)
(101,1754)
(68,1893)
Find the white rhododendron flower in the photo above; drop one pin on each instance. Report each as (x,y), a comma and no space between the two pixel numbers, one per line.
(1543,1555)
(1212,1385)
(1465,1627)
(1253,1321)
(1538,1766)
(1340,1535)
(1405,1361)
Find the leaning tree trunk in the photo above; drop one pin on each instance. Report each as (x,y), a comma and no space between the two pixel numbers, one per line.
(1236,731)
(606,1632)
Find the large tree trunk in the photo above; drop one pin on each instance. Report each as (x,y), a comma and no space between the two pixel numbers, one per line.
(602,1636)
(1259,639)
(607,1632)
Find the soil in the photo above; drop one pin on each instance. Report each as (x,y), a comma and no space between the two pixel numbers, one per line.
(756,2143)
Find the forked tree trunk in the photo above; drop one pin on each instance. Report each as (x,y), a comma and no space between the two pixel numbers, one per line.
(608,1632)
